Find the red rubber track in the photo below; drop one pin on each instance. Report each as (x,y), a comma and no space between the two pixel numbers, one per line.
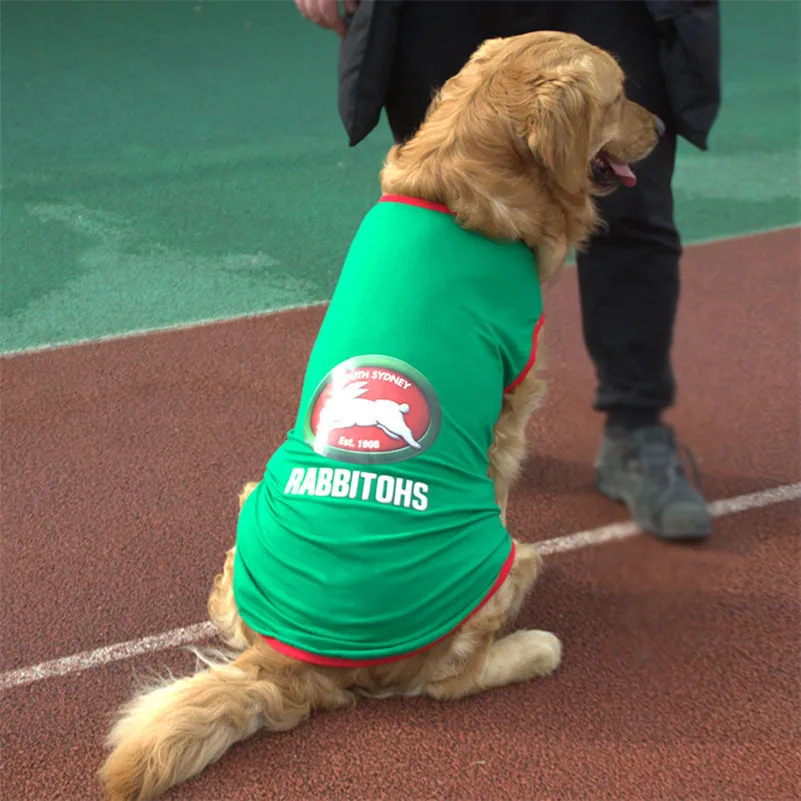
(680,679)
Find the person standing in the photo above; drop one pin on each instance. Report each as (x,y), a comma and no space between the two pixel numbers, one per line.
(396,53)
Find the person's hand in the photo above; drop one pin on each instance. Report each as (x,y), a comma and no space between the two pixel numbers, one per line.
(325,13)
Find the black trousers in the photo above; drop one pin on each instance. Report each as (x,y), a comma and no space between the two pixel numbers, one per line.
(629,275)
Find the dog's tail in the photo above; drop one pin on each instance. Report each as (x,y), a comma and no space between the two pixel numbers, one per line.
(170,733)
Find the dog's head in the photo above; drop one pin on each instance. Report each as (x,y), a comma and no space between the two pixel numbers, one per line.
(520,139)
(566,101)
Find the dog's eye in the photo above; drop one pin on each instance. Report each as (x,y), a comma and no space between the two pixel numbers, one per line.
(619,98)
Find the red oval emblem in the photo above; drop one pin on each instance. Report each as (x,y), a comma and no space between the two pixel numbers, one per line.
(372,409)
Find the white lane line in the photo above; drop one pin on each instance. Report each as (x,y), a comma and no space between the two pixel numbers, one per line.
(103,656)
(202,631)
(622,531)
(186,326)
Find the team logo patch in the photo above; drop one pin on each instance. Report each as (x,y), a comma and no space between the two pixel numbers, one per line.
(372,410)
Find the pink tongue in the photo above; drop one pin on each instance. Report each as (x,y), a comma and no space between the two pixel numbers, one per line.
(622,170)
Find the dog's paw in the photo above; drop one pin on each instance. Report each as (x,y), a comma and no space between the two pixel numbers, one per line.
(551,649)
(522,655)
(543,650)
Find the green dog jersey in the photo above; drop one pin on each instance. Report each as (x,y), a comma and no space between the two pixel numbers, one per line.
(375,532)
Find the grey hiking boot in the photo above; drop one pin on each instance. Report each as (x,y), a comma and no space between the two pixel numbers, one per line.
(642,468)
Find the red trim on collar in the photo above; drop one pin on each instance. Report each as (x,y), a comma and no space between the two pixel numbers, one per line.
(414,201)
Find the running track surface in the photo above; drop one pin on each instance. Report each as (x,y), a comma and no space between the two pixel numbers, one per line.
(680,677)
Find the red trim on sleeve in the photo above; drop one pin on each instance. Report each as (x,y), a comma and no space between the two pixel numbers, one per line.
(532,357)
(334,661)
(414,201)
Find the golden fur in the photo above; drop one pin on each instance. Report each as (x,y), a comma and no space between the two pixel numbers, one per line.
(507,142)
(507,146)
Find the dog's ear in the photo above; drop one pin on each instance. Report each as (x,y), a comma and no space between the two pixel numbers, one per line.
(564,115)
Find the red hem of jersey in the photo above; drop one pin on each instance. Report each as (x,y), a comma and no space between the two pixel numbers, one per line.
(532,357)
(414,201)
(335,661)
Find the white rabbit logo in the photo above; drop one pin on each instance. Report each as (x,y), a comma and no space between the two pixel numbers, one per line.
(346,408)
(372,409)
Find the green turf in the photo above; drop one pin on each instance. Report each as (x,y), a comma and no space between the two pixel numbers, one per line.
(167,162)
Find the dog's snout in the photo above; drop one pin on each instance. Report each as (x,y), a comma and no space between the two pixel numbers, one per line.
(659,125)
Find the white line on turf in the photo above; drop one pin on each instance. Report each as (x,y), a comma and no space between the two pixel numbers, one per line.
(202,631)
(622,531)
(175,327)
(103,656)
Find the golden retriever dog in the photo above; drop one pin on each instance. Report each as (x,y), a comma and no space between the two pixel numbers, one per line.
(515,147)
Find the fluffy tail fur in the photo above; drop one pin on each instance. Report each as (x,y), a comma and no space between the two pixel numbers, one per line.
(170,733)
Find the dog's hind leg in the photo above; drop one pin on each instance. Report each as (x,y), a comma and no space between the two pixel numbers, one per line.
(222,606)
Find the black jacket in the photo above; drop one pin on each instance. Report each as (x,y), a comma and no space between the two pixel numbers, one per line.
(689,42)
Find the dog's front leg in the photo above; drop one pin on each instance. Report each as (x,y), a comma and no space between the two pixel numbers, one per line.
(508,448)
(477,660)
